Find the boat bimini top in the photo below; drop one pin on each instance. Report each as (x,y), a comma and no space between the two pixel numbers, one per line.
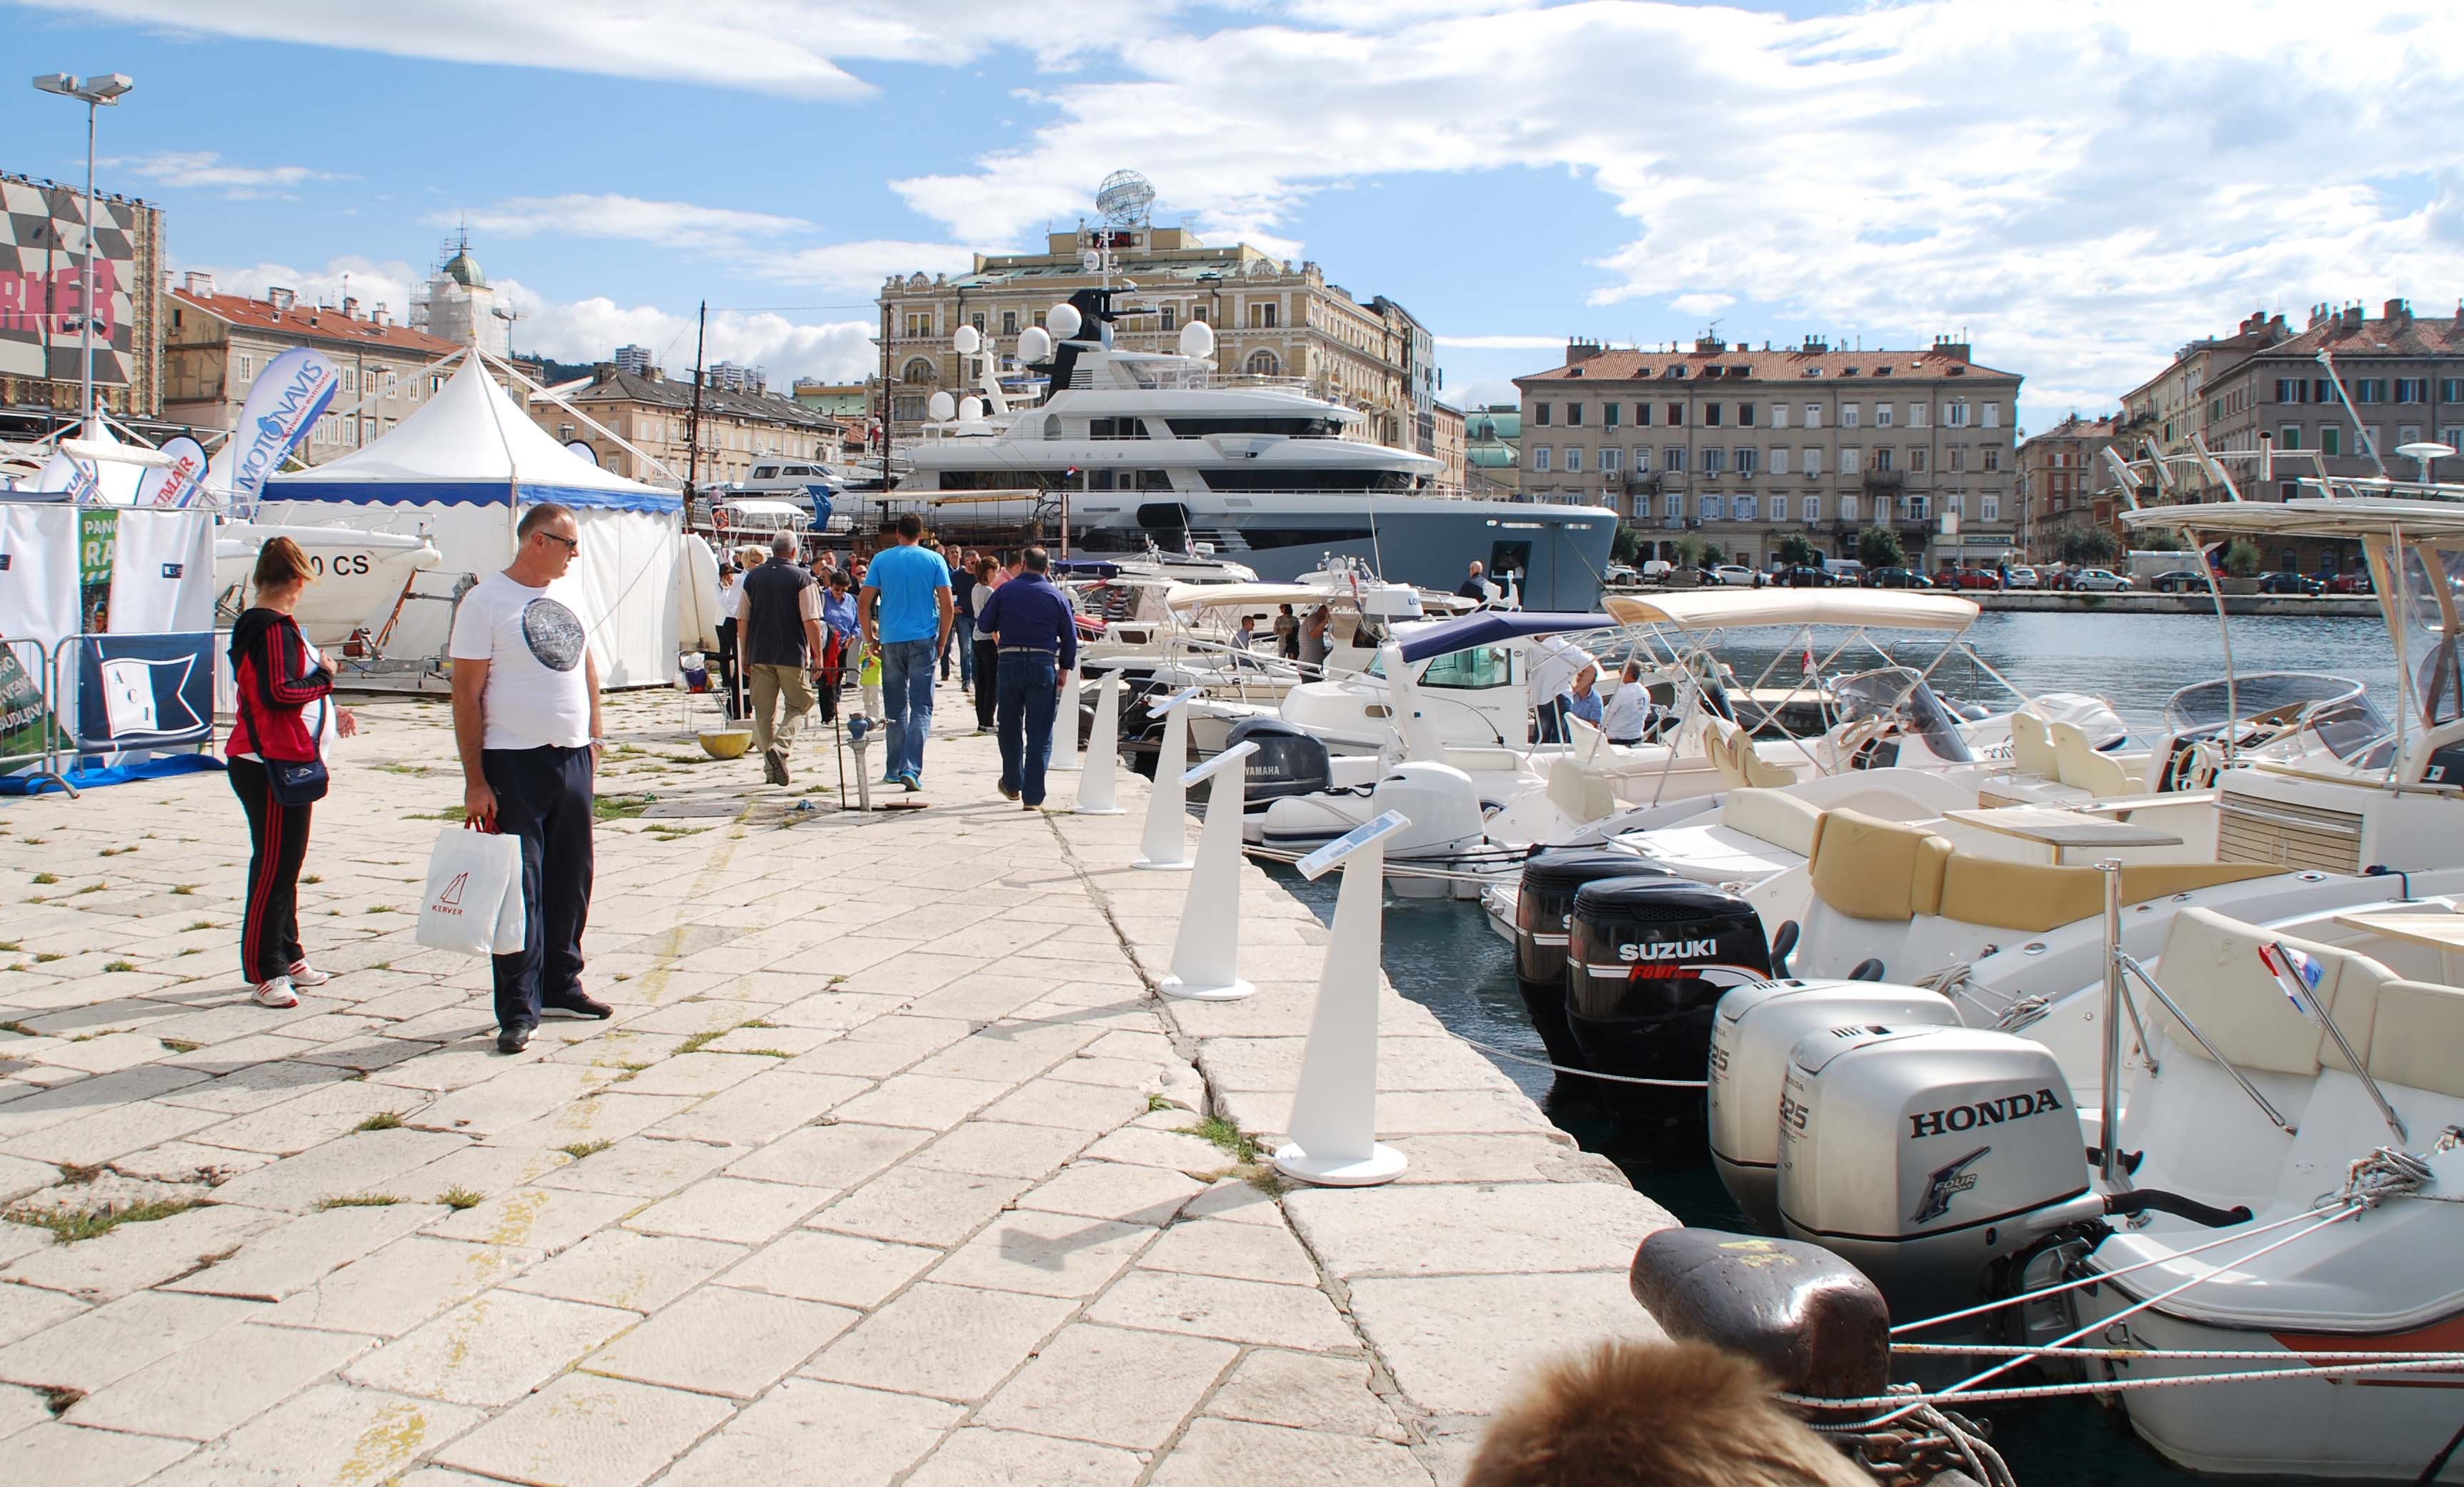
(1720,609)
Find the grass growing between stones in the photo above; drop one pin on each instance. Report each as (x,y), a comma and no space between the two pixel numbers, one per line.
(702,1041)
(617,807)
(1248,1156)
(41,878)
(459,1198)
(366,1200)
(381,1120)
(203,923)
(183,890)
(181,1045)
(70,1225)
(121,965)
(580,1149)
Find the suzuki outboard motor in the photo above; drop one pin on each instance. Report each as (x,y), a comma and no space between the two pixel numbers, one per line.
(1646,961)
(1753,1033)
(1922,1155)
(1542,904)
(1288,762)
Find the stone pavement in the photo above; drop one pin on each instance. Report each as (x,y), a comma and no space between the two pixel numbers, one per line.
(883,1171)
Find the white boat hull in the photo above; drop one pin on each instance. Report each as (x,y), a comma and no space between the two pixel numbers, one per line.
(361,576)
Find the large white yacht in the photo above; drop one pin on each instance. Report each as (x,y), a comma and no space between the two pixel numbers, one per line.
(1128,449)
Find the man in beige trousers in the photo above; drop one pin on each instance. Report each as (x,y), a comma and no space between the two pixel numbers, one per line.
(778,631)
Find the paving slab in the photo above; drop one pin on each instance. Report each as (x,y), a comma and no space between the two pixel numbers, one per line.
(719,1341)
(211,1387)
(818,1266)
(398,1287)
(588,1431)
(976,1457)
(330,1433)
(1109,1386)
(806,1429)
(491,1351)
(952,1343)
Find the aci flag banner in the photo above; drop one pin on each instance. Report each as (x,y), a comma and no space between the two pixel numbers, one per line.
(144,690)
(179,483)
(289,395)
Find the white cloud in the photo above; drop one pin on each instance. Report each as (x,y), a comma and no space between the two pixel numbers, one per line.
(674,223)
(206,170)
(1504,343)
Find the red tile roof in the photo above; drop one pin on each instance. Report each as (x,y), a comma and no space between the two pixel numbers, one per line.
(2406,335)
(314,323)
(1767,366)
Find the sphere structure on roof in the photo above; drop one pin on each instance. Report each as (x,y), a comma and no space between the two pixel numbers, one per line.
(464,270)
(1124,198)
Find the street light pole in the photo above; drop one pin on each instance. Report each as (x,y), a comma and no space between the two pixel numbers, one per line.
(94,91)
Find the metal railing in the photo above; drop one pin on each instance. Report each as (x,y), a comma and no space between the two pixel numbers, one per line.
(32,729)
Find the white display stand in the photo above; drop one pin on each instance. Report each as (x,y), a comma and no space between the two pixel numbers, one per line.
(1206,953)
(1098,785)
(1165,840)
(1334,1112)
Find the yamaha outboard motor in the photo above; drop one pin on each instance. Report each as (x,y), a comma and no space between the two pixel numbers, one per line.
(1646,961)
(1288,762)
(1541,904)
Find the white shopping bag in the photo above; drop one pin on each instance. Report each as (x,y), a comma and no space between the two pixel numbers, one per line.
(474,902)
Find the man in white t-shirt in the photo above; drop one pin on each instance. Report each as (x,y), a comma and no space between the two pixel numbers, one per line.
(526,722)
(1554,662)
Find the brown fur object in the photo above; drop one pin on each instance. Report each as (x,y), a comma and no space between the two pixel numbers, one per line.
(1658,1414)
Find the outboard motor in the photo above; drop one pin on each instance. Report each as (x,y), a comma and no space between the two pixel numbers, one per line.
(1541,904)
(1646,961)
(1922,1155)
(1288,762)
(1753,1033)
(1441,804)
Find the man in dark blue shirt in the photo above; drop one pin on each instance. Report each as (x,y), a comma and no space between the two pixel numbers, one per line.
(1036,634)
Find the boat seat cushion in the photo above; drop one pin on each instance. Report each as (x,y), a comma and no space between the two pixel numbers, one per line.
(2033,897)
(2415,1037)
(2098,774)
(2032,749)
(1715,854)
(1868,868)
(1581,794)
(1774,816)
(2211,970)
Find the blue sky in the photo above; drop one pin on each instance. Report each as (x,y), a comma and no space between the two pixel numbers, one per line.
(2078,186)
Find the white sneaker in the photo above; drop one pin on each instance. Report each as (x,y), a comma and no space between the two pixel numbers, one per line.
(304,974)
(276,992)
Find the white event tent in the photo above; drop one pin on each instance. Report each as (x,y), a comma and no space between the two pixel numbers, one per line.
(463,470)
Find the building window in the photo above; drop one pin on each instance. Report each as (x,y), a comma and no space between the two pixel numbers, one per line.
(1263,363)
(1813,416)
(1540,414)
(245,367)
(1010,323)
(1955,414)
(919,323)
(1958,458)
(2331,439)
(1642,459)
(1779,415)
(1915,459)
(1992,456)
(1710,416)
(1262,317)
(1882,415)
(1573,459)
(2289,436)
(1710,508)
(1848,509)
(1813,461)
(1573,415)
(1673,508)
(1540,459)
(1993,416)
(1642,415)
(1746,462)
(1991,505)
(1851,414)
(1916,415)
(1745,416)
(977,320)
(1714,461)
(1610,457)
(1779,461)
(2407,434)
(1916,507)
(1883,458)
(1608,414)
(390,384)
(2369,390)
(1673,459)
(2292,390)
(2452,436)
(1676,415)
(917,370)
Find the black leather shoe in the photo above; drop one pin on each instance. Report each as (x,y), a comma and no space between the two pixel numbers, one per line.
(514,1039)
(579,1004)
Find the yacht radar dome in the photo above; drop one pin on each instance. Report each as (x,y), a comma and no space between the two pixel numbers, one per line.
(1063,321)
(970,409)
(1034,345)
(2421,454)
(1125,198)
(940,405)
(967,341)
(1197,340)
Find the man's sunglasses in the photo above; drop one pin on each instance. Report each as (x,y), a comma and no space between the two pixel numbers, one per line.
(571,545)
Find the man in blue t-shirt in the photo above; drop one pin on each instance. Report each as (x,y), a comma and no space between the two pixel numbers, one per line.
(906,613)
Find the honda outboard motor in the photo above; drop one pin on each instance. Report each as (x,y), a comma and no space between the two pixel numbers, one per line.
(1288,762)
(1542,904)
(1646,961)
(1753,1033)
(1922,1155)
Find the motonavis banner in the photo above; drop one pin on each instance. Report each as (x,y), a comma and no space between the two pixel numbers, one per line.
(43,241)
(289,396)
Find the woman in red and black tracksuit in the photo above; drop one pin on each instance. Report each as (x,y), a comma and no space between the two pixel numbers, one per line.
(285,694)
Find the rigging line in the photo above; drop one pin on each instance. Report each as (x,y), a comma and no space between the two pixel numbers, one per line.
(1587,1073)
(1917,1403)
(2167,1354)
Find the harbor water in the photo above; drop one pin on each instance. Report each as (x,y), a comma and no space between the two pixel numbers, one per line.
(1443,955)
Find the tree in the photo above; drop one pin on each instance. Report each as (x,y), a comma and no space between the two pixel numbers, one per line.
(1628,547)
(1796,550)
(2241,557)
(1692,551)
(1879,547)
(2084,546)
(1714,554)
(2163,539)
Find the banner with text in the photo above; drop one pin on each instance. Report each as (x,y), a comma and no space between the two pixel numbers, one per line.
(289,396)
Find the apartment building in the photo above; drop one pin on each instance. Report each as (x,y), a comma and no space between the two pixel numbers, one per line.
(1271,317)
(2169,411)
(1741,446)
(216,344)
(43,243)
(2064,484)
(653,413)
(1446,424)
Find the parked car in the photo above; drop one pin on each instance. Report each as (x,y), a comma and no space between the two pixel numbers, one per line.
(1621,573)
(2352,583)
(2289,583)
(2100,581)
(1807,577)
(2179,581)
(2021,577)
(1967,578)
(1736,574)
(1897,578)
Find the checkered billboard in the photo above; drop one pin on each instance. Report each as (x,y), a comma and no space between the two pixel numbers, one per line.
(42,283)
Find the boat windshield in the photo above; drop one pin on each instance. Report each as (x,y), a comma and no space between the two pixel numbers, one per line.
(2265,695)
(1899,694)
